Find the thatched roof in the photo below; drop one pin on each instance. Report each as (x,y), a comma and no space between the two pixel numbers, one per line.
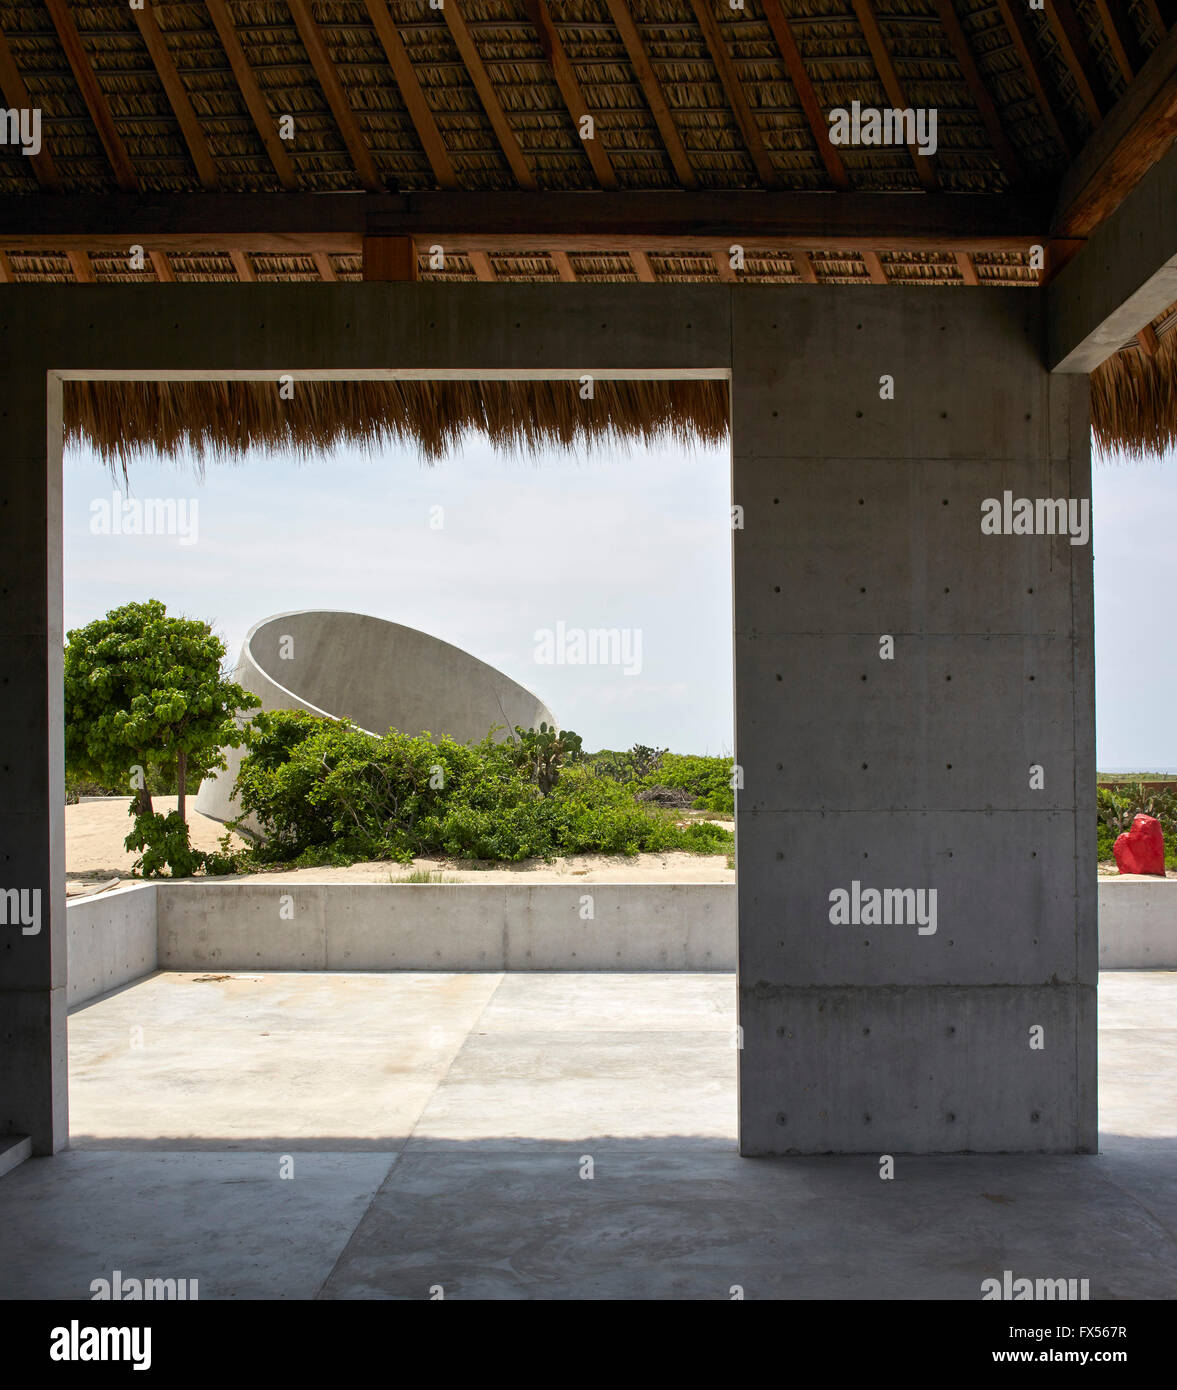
(1134,394)
(221,419)
(485,97)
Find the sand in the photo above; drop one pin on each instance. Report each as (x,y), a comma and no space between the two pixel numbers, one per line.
(95,858)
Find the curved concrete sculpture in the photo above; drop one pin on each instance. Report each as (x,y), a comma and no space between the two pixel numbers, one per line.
(379,675)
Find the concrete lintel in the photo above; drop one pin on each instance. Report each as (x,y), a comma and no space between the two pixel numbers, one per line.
(1122,279)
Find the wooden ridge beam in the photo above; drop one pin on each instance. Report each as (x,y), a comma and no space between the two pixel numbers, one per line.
(487,95)
(782,31)
(652,90)
(412,95)
(16,94)
(174,90)
(1138,131)
(713,37)
(299,223)
(891,84)
(958,39)
(251,94)
(1017,25)
(562,71)
(332,88)
(93,96)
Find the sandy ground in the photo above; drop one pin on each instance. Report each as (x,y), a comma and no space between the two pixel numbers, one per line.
(95,858)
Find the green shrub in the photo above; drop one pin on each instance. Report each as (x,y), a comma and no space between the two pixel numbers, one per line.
(326,793)
(163,843)
(708,779)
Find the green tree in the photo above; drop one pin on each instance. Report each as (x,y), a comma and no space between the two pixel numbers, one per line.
(145,690)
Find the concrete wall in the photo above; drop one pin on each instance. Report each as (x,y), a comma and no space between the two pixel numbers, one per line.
(378,674)
(1138,923)
(862,518)
(460,926)
(112,939)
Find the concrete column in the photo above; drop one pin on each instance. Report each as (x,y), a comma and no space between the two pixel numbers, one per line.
(861,520)
(33,1096)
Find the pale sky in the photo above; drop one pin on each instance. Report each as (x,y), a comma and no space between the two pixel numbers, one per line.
(638,542)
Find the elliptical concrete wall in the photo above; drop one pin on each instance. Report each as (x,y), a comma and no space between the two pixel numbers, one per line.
(378,674)
(862,519)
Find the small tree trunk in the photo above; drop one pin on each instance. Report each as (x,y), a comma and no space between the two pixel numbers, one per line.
(145,806)
(181,779)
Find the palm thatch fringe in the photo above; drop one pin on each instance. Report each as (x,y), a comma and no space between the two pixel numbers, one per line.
(222,419)
(1134,402)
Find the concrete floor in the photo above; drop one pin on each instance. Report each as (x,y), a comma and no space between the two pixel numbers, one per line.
(437,1128)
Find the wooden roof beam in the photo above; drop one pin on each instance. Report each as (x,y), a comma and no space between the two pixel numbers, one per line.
(16,94)
(1017,25)
(1076,54)
(206,169)
(891,84)
(874,266)
(968,271)
(81,267)
(803,265)
(162,267)
(1121,39)
(562,71)
(243,266)
(251,94)
(7,274)
(512,152)
(957,38)
(782,31)
(332,87)
(642,268)
(1138,131)
(563,266)
(92,94)
(480,264)
(652,90)
(753,140)
(412,95)
(323,265)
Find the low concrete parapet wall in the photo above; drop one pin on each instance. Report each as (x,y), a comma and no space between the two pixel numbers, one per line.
(111,939)
(1138,923)
(447,926)
(117,937)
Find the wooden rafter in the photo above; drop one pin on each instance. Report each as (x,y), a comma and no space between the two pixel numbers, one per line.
(1021,34)
(1154,13)
(1137,131)
(332,87)
(874,266)
(481,266)
(81,267)
(1121,39)
(642,268)
(463,41)
(93,95)
(243,266)
(251,94)
(16,94)
(1076,54)
(162,267)
(652,90)
(782,31)
(716,46)
(958,39)
(7,274)
(549,41)
(723,266)
(968,271)
(412,95)
(803,265)
(891,84)
(206,169)
(563,266)
(323,266)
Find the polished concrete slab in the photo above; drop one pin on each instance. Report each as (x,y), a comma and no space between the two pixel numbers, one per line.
(542,1136)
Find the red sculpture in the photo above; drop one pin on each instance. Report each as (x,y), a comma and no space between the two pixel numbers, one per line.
(1142,849)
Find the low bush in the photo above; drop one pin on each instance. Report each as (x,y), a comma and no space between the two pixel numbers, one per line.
(324,792)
